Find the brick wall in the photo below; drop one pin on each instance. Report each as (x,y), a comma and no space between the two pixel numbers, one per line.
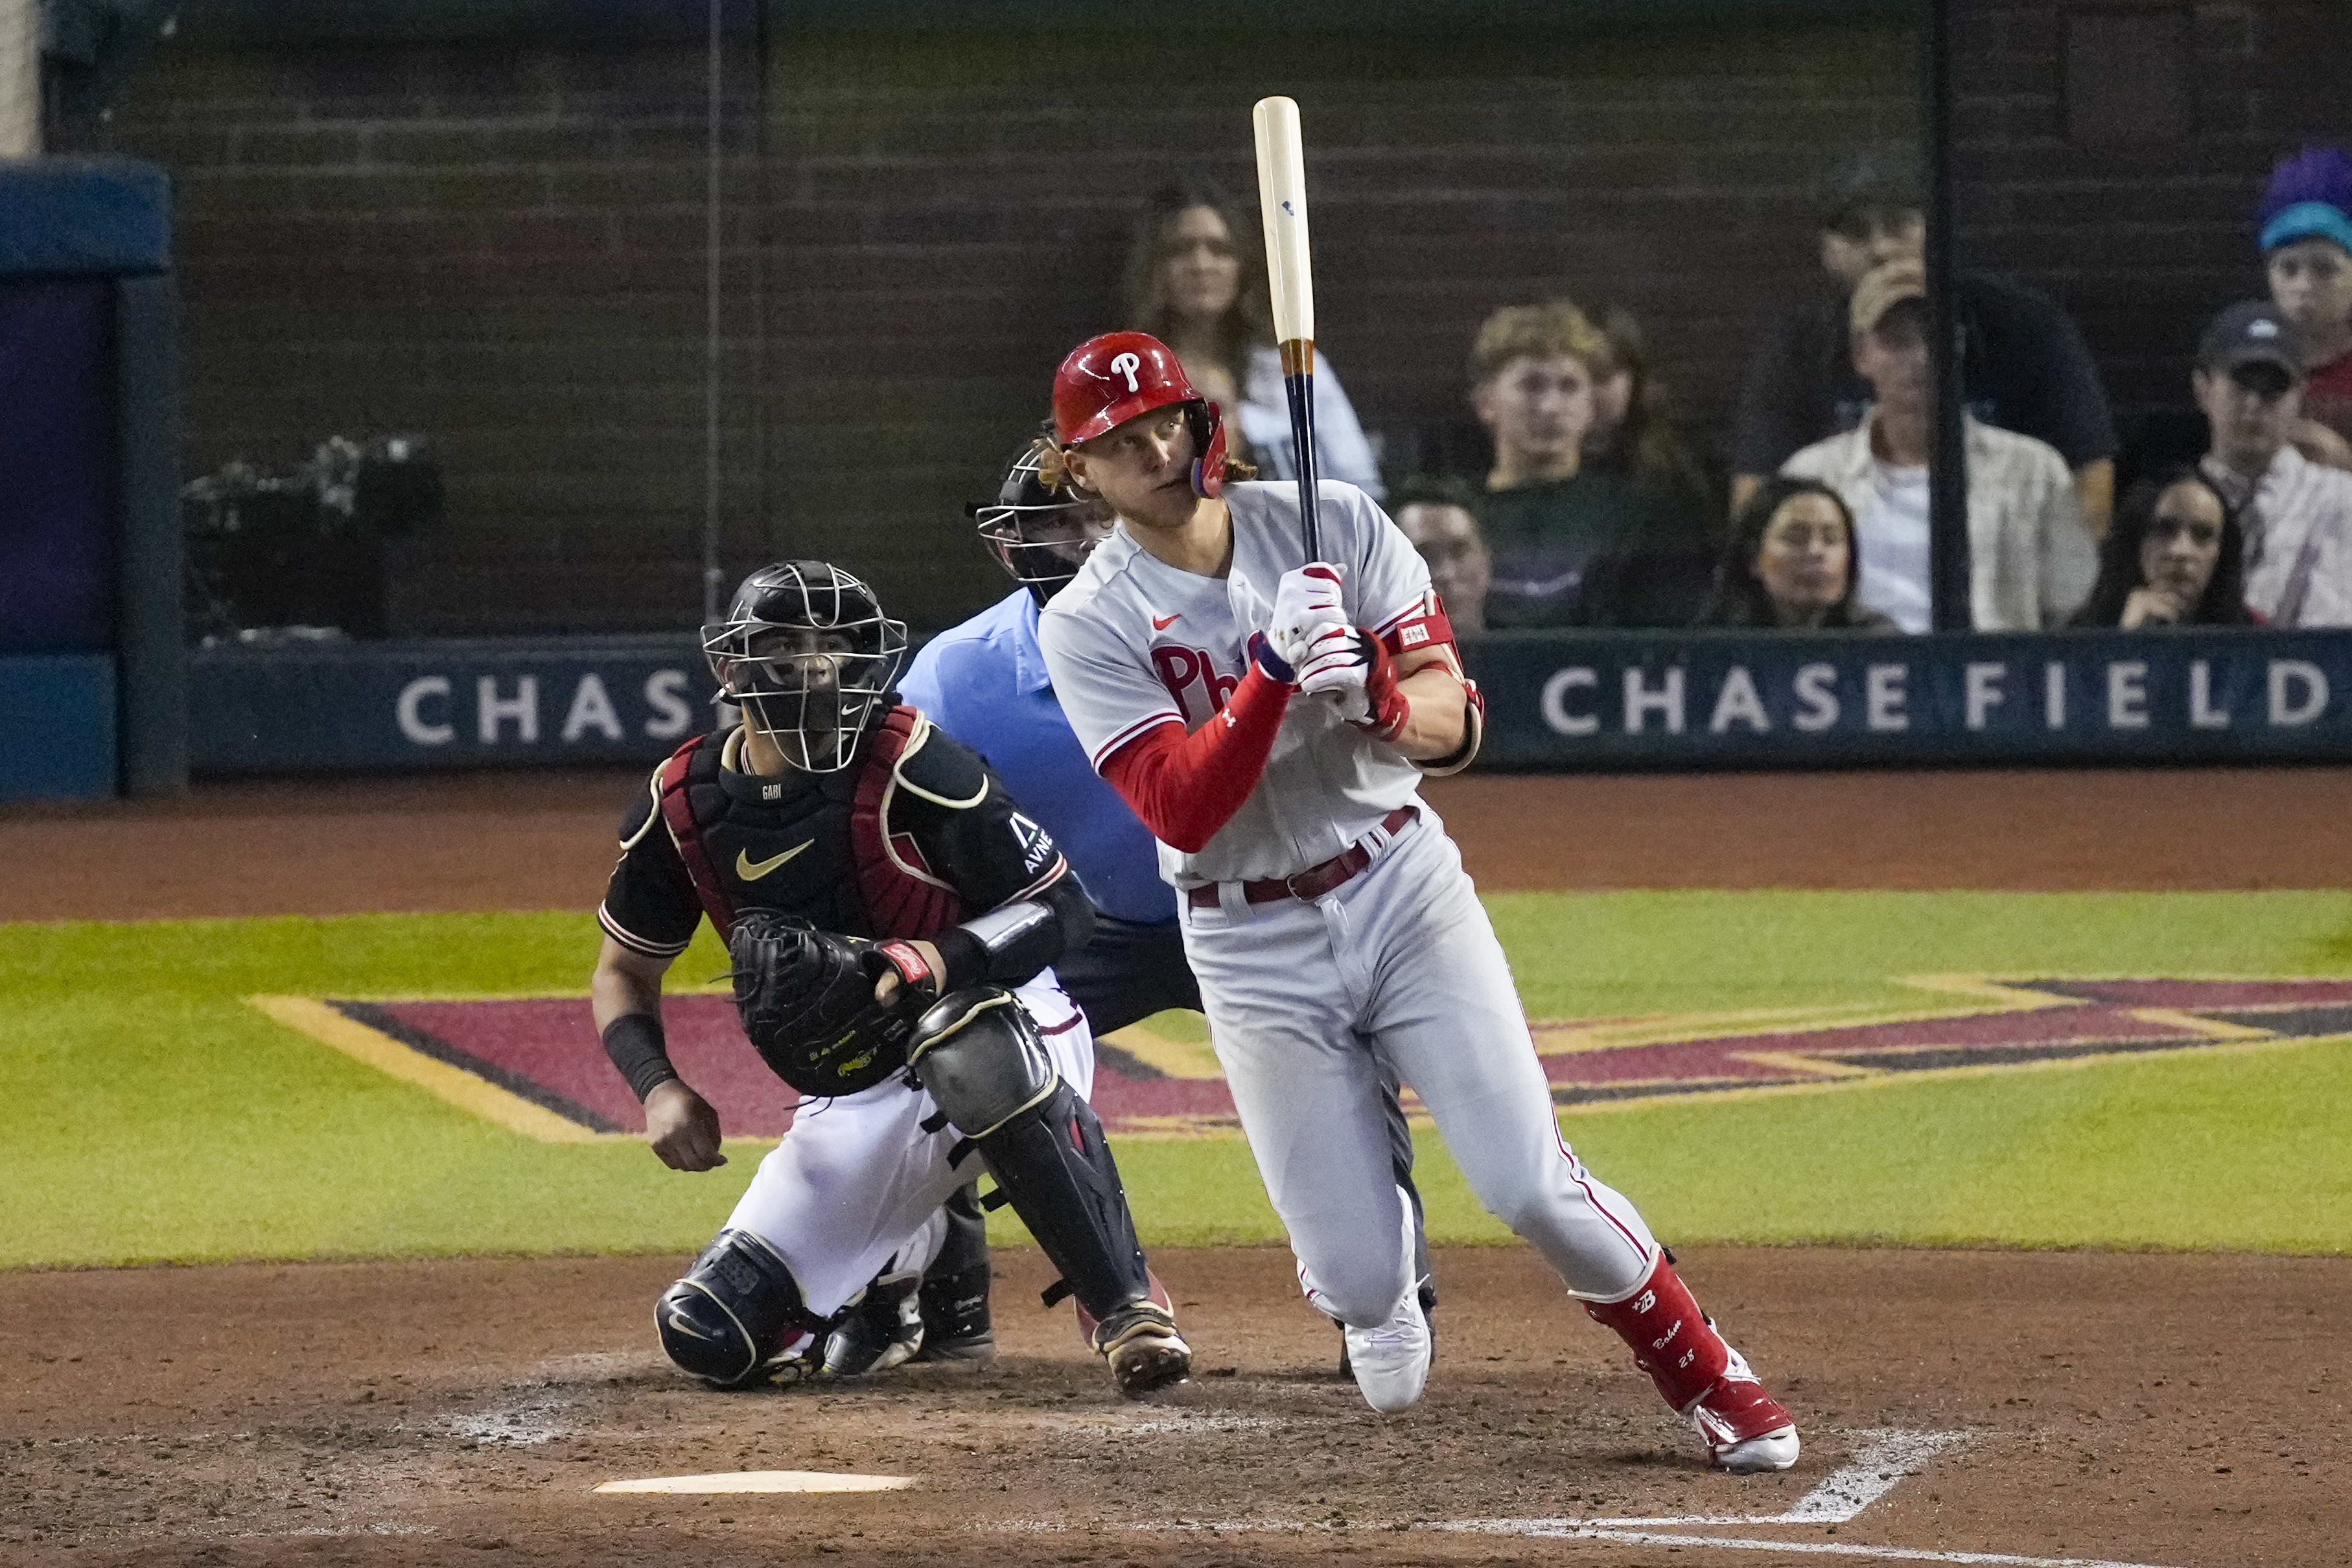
(502,246)
(2113,151)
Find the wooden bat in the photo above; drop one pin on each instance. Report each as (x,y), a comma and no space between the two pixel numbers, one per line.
(1290,277)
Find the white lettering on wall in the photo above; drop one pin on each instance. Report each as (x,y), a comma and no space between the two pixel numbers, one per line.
(2298,691)
(491,710)
(1884,694)
(1737,703)
(1983,691)
(1817,691)
(1666,701)
(2128,695)
(672,715)
(410,711)
(592,708)
(2202,714)
(1555,701)
(2054,694)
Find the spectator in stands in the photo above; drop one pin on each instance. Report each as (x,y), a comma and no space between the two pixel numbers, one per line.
(2297,513)
(1440,515)
(2306,239)
(1791,563)
(1195,279)
(2026,366)
(2176,557)
(2031,561)
(1633,435)
(1571,547)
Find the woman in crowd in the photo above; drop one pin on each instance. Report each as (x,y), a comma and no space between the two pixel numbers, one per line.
(1632,434)
(1195,279)
(2175,557)
(1792,564)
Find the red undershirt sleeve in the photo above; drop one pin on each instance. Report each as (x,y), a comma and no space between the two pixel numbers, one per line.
(1186,787)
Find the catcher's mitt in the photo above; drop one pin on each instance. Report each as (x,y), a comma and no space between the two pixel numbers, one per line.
(806,997)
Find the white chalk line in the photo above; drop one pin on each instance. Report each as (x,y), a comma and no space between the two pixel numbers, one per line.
(1821,1548)
(1884,1456)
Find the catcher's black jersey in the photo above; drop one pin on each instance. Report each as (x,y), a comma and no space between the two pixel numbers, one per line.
(785,843)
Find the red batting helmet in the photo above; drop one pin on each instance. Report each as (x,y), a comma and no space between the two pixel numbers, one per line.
(1119,376)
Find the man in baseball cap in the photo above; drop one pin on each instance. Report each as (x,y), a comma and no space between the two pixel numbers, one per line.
(2297,513)
(2032,559)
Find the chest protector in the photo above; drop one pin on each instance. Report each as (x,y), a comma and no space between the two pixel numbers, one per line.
(851,869)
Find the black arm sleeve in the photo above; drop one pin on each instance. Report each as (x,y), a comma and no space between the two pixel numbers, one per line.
(997,859)
(639,1052)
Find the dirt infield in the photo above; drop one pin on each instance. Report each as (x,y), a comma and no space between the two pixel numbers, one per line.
(544,840)
(2178,1411)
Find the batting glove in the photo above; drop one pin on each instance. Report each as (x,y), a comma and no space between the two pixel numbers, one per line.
(1308,614)
(1337,671)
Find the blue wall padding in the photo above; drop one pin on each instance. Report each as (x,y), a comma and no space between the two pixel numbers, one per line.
(57,727)
(57,466)
(84,217)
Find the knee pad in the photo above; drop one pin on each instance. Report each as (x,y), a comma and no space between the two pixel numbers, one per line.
(734,1309)
(978,1053)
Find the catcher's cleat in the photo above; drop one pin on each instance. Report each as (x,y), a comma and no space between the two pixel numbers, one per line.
(1746,1430)
(1143,1348)
(875,1333)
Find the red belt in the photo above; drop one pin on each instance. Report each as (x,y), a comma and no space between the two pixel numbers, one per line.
(1316,880)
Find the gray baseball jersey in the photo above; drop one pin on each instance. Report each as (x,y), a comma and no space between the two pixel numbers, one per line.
(1134,642)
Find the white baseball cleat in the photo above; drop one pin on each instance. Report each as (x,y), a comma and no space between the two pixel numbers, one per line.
(1746,1430)
(1392,1362)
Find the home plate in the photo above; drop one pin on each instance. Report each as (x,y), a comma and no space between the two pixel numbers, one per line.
(763,1480)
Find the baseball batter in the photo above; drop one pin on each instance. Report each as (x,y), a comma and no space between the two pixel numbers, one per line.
(864,869)
(984,683)
(1270,719)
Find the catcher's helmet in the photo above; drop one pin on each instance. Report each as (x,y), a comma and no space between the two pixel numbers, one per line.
(1040,533)
(807,654)
(1119,376)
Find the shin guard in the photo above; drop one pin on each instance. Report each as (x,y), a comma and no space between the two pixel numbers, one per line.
(1672,1339)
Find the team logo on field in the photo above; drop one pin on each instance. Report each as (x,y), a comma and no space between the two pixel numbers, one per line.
(516,1060)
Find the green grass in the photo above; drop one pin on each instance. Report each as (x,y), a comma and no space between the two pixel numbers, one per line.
(149,1114)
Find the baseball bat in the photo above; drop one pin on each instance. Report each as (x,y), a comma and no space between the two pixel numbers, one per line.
(1290,277)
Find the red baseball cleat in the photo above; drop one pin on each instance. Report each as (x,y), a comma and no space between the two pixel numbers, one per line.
(1703,1378)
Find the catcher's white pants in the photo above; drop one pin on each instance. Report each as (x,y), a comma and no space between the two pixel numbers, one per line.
(856,1182)
(1398,966)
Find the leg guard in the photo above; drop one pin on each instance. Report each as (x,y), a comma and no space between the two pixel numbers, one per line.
(979,1054)
(954,1295)
(1705,1381)
(734,1310)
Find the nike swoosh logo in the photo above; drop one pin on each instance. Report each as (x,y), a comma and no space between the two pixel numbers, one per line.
(751,870)
(1161,623)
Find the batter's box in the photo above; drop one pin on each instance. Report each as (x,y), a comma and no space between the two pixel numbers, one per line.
(534,1064)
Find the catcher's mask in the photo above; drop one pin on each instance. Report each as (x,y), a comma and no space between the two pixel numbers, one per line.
(808,655)
(1038,532)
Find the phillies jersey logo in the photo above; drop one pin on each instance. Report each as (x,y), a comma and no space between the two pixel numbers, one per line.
(1192,678)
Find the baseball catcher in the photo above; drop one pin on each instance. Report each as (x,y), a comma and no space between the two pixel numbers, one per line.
(890,915)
